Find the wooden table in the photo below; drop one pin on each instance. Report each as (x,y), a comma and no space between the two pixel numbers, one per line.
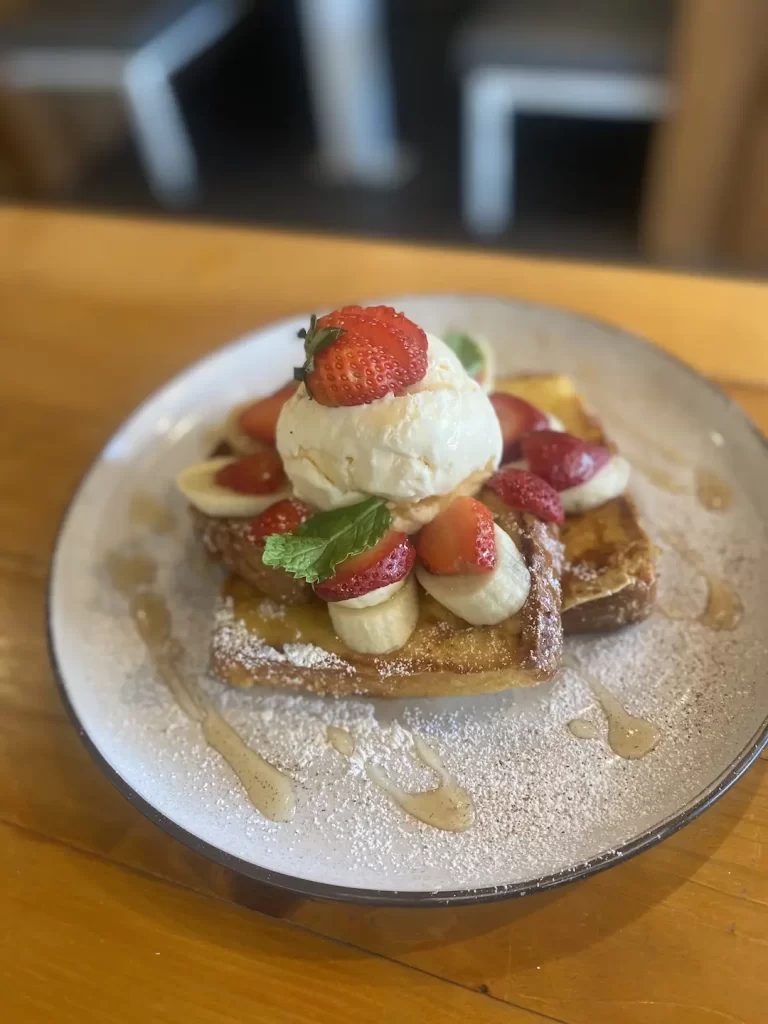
(105,918)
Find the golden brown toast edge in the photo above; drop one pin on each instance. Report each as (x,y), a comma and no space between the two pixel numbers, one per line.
(609,574)
(445,656)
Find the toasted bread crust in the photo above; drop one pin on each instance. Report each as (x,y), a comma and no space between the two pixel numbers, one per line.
(225,541)
(444,657)
(609,574)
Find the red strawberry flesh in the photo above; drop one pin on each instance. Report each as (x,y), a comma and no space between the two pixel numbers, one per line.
(261,473)
(526,492)
(516,418)
(388,314)
(563,460)
(386,562)
(283,517)
(459,540)
(380,352)
(259,420)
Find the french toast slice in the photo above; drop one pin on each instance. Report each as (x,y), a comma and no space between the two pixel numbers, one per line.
(259,641)
(225,539)
(609,573)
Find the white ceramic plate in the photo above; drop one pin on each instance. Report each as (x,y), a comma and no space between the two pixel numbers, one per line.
(550,808)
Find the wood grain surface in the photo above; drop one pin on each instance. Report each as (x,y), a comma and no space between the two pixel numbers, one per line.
(107,919)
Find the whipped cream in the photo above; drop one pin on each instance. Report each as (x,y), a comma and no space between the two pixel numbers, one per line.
(441,436)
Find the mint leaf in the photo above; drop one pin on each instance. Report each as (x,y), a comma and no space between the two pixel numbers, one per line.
(314,550)
(467,349)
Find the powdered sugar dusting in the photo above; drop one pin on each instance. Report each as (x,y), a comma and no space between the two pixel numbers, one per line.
(233,644)
(545,802)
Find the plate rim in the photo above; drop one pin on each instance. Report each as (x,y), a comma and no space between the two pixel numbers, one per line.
(327,891)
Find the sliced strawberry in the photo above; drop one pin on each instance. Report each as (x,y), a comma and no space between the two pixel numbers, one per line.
(562,459)
(386,562)
(459,540)
(356,355)
(259,421)
(261,473)
(517,418)
(282,517)
(528,493)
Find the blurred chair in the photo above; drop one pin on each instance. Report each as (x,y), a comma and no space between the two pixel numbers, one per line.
(586,58)
(134,46)
(707,191)
(351,92)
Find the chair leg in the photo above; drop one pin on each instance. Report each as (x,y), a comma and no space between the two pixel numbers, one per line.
(160,133)
(488,157)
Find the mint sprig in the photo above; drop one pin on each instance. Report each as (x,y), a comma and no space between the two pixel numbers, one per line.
(315,340)
(467,349)
(314,550)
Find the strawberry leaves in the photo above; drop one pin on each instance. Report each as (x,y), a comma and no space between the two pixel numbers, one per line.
(314,550)
(315,340)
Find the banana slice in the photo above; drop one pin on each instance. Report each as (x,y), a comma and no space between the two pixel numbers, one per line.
(241,442)
(198,484)
(373,597)
(608,482)
(381,628)
(486,599)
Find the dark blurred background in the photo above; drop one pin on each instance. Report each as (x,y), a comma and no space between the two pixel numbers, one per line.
(624,129)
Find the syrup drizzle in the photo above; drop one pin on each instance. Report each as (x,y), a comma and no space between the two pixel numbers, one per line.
(724,608)
(148,511)
(628,736)
(448,807)
(269,790)
(583,729)
(712,492)
(341,740)
(660,478)
(128,572)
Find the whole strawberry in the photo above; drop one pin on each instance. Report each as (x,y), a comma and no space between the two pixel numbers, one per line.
(357,355)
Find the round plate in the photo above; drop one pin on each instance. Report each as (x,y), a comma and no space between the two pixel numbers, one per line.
(549,807)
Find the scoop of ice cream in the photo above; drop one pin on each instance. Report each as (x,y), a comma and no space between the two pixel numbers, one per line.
(440,436)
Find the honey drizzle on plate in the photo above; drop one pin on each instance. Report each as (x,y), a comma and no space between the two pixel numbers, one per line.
(583,729)
(148,511)
(659,477)
(724,608)
(341,740)
(448,807)
(269,790)
(712,492)
(629,736)
(129,572)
